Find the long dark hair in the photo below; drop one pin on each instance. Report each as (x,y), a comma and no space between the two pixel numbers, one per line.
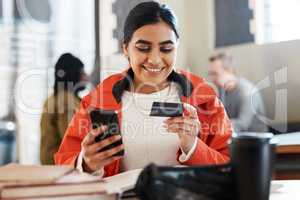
(68,71)
(148,13)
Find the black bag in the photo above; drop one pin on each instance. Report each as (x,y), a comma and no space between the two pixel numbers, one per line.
(186,183)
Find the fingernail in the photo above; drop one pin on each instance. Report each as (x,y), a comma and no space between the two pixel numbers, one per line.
(118,136)
(93,133)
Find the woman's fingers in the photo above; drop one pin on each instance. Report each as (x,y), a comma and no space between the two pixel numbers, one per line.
(100,159)
(108,153)
(182,121)
(182,126)
(90,149)
(185,120)
(95,147)
(105,162)
(190,111)
(110,160)
(182,129)
(189,126)
(90,137)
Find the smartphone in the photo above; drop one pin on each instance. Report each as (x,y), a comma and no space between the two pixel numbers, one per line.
(165,109)
(109,118)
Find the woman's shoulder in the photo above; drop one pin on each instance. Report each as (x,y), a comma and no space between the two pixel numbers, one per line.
(202,90)
(113,78)
(191,76)
(104,87)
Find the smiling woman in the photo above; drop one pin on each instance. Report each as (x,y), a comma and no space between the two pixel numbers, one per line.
(199,136)
(152,54)
(150,44)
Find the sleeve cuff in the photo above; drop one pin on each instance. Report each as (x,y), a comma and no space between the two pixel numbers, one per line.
(79,167)
(185,157)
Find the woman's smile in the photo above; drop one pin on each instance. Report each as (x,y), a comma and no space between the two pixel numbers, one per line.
(153,70)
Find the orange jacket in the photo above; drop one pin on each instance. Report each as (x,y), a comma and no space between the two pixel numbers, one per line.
(212,146)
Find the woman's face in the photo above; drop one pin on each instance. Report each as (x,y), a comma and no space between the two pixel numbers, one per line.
(152,54)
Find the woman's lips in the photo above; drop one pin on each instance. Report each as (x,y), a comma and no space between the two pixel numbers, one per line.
(152,70)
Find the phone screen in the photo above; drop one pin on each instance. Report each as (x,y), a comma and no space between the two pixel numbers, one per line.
(109,118)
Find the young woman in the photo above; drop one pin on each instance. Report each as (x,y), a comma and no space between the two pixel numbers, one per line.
(199,137)
(60,106)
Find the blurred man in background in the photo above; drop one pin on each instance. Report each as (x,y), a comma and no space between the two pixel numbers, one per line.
(240,97)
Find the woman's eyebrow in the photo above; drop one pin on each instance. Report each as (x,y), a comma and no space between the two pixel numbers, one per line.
(149,43)
(166,42)
(143,42)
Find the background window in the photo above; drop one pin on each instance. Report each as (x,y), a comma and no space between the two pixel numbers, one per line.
(277,20)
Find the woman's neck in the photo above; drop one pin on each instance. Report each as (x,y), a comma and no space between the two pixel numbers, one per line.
(143,88)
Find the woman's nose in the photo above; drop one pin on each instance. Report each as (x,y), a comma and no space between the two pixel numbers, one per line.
(154,58)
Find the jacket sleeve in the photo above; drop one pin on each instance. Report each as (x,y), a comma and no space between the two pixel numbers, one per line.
(216,130)
(71,143)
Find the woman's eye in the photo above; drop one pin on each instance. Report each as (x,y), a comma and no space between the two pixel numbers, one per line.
(166,50)
(144,49)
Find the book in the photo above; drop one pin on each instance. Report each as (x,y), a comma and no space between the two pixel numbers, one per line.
(29,174)
(74,185)
(51,190)
(121,182)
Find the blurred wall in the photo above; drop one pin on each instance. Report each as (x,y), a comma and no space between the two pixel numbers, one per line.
(31,39)
(258,63)
(111,60)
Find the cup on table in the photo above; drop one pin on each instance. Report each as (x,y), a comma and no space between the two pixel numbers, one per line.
(253,156)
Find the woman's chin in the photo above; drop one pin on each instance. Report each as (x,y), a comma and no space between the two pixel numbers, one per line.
(155,81)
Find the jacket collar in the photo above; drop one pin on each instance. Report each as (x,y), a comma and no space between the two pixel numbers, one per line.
(186,87)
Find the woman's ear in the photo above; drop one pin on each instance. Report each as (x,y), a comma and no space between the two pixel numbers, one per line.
(125,50)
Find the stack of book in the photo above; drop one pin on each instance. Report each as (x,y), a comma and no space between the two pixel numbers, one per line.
(46,182)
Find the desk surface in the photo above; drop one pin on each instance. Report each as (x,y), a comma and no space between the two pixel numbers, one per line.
(281,190)
(285,190)
(288,143)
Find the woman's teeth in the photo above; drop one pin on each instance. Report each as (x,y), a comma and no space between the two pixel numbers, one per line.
(153,70)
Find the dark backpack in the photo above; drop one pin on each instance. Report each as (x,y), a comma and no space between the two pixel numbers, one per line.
(186,183)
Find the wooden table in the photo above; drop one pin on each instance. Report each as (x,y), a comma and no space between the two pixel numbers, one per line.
(288,156)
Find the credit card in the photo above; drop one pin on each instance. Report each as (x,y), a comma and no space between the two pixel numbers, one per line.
(165,109)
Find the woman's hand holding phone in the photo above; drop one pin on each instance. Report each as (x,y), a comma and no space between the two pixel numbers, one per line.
(93,158)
